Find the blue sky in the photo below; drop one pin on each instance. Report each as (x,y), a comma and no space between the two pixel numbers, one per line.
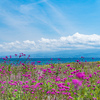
(49,25)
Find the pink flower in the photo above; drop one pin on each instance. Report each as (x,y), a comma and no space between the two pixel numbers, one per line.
(98,65)
(59,59)
(2,86)
(95,73)
(26,81)
(98,82)
(23,64)
(77,60)
(68,65)
(48,92)
(34,68)
(90,75)
(70,97)
(94,98)
(88,85)
(0,70)
(70,76)
(15,90)
(42,90)
(2,92)
(77,83)
(80,75)
(38,61)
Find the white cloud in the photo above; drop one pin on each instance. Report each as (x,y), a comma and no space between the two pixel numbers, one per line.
(76,41)
(29,42)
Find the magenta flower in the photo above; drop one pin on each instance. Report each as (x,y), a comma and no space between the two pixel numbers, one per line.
(95,73)
(59,59)
(15,54)
(76,83)
(70,76)
(70,97)
(98,65)
(82,57)
(94,98)
(23,64)
(38,61)
(0,70)
(77,60)
(68,65)
(15,90)
(2,86)
(42,90)
(90,75)
(2,92)
(80,75)
(98,82)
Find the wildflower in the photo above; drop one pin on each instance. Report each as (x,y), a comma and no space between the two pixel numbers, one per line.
(77,60)
(48,92)
(70,97)
(95,73)
(71,68)
(90,75)
(2,92)
(15,54)
(14,95)
(70,76)
(68,65)
(3,82)
(42,90)
(82,57)
(0,70)
(77,83)
(75,93)
(23,64)
(94,98)
(2,86)
(94,85)
(53,92)
(88,85)
(27,81)
(6,57)
(93,88)
(98,82)
(68,83)
(80,75)
(15,90)
(98,65)
(34,68)
(10,56)
(59,59)
(38,61)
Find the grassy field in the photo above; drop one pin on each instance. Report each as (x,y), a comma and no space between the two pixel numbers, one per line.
(68,81)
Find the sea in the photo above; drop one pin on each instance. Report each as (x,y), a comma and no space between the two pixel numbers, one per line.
(43,61)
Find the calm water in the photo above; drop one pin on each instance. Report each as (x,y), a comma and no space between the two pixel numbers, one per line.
(47,60)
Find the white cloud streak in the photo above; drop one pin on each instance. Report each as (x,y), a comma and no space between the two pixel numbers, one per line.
(75,41)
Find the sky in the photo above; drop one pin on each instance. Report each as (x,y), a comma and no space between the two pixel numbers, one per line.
(49,25)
